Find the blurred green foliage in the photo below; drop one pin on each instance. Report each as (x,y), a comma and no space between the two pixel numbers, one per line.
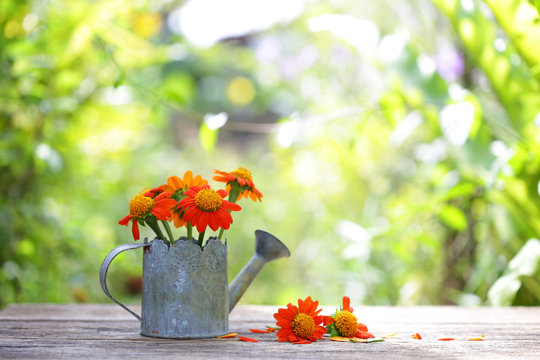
(396,144)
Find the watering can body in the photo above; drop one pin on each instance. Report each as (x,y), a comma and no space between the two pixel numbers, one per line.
(185,293)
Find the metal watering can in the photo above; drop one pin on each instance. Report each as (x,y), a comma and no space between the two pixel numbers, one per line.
(185,293)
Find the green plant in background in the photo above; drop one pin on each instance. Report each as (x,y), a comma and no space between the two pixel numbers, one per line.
(401,139)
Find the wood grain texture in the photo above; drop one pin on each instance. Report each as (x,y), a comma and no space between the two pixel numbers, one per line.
(46,331)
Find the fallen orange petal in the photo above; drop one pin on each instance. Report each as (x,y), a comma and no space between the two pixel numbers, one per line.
(417,336)
(359,340)
(476,339)
(446,339)
(340,338)
(246,339)
(389,336)
(260,331)
(229,335)
(271,329)
(302,342)
(364,335)
(362,327)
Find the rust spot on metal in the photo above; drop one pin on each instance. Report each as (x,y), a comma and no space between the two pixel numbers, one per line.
(155,332)
(147,249)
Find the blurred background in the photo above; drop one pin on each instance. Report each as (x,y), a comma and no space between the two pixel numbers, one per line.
(396,142)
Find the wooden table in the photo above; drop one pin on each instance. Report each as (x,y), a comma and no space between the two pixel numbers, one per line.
(47,331)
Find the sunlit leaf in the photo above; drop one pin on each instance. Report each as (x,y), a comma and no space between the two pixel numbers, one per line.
(462,189)
(527,260)
(208,137)
(453,217)
(504,290)
(520,20)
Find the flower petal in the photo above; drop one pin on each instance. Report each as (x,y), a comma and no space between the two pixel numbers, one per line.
(293,338)
(284,333)
(188,178)
(163,195)
(284,324)
(346,303)
(230,205)
(292,308)
(299,342)
(229,335)
(286,314)
(364,334)
(160,213)
(313,307)
(165,203)
(135,230)
(125,220)
(175,183)
(212,221)
(246,339)
(327,320)
(319,331)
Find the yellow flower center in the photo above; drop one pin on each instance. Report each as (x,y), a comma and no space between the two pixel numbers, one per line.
(208,200)
(346,323)
(242,173)
(303,325)
(140,205)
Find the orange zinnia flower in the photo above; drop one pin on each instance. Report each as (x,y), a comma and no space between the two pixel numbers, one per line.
(205,206)
(240,177)
(177,187)
(142,205)
(301,323)
(344,323)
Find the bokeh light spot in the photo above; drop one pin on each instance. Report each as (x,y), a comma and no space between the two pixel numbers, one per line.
(240,91)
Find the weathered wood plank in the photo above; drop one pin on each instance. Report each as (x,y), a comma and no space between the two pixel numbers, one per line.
(48,331)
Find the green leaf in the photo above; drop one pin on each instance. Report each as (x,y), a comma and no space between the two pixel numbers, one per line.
(503,291)
(527,260)
(207,137)
(372,340)
(518,20)
(453,217)
(463,189)
(333,331)
(178,87)
(393,107)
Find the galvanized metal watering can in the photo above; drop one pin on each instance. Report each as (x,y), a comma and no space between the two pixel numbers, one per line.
(185,293)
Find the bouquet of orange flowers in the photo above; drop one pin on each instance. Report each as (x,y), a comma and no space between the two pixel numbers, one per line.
(190,202)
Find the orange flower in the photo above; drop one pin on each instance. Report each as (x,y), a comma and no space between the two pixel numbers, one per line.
(177,187)
(345,324)
(206,207)
(241,179)
(300,323)
(142,205)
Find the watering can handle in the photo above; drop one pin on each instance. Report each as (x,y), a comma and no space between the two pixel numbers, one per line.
(105,266)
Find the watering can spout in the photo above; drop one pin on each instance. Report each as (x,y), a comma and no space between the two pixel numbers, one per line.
(267,248)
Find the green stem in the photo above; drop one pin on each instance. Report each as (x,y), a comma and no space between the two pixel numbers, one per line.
(233,196)
(168,229)
(154,226)
(189,231)
(201,238)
